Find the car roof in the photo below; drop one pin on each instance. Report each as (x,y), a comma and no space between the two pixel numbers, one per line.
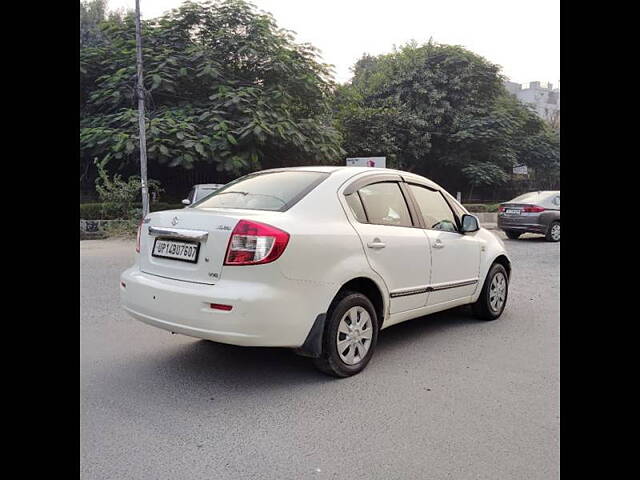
(348,172)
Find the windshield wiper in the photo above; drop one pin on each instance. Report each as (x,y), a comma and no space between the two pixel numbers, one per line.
(234,191)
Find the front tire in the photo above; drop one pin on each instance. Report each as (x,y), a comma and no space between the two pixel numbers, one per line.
(493,297)
(553,233)
(512,234)
(350,335)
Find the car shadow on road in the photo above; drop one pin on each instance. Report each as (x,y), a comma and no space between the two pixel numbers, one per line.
(203,367)
(423,329)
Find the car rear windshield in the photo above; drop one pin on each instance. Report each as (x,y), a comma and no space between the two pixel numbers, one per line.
(274,191)
(530,197)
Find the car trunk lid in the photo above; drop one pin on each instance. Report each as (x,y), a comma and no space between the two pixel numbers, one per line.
(174,232)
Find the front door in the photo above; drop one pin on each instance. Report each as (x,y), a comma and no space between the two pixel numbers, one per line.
(455,258)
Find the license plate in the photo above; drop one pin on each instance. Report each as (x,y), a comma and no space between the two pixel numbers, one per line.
(513,211)
(176,250)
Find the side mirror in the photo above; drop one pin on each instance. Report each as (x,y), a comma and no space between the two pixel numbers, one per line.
(186,201)
(470,223)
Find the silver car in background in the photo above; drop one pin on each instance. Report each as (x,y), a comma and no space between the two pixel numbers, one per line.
(198,192)
(533,212)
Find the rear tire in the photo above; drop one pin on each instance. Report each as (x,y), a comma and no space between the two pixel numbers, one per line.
(512,234)
(493,297)
(553,232)
(357,340)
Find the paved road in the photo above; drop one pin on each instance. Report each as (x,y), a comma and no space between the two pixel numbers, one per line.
(445,397)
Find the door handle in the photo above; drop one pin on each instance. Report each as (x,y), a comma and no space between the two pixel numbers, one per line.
(377,244)
(438,244)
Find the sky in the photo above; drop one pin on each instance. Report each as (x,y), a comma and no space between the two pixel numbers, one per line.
(522,37)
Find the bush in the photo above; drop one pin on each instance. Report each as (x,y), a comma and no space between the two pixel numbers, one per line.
(119,197)
(482,207)
(91,211)
(101,211)
(122,229)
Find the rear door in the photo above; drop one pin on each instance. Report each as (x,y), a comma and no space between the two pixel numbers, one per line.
(455,258)
(395,248)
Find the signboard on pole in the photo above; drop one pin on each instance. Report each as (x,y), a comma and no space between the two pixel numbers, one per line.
(367,162)
(520,170)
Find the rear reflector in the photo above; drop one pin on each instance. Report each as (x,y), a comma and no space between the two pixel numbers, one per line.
(218,306)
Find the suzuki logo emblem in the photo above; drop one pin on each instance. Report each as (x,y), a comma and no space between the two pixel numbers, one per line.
(174,221)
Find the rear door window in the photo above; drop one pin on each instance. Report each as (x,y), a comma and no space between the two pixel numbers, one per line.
(274,191)
(355,204)
(384,204)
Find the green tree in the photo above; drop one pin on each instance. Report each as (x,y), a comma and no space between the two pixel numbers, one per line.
(92,14)
(437,109)
(225,86)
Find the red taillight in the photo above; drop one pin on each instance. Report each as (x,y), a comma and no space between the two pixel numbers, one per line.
(501,208)
(254,243)
(138,238)
(532,209)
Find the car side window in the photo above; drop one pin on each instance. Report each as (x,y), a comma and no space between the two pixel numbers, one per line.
(384,204)
(457,208)
(355,204)
(436,213)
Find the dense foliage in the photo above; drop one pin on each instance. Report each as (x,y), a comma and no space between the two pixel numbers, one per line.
(228,91)
(225,86)
(442,111)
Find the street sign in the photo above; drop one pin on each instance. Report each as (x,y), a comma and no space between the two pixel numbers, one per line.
(520,170)
(367,162)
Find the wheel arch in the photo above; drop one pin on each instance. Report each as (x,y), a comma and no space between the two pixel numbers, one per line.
(371,290)
(503,260)
(312,346)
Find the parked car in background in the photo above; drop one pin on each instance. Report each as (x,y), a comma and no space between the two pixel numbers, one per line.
(198,192)
(317,259)
(533,212)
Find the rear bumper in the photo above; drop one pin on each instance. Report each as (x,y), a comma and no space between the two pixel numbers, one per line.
(268,315)
(531,228)
(521,226)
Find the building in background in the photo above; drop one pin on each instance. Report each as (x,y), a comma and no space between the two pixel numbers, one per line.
(541,96)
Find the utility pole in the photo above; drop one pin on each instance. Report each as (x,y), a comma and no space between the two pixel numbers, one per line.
(141,122)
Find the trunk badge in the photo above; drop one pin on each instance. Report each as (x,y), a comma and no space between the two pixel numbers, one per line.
(174,221)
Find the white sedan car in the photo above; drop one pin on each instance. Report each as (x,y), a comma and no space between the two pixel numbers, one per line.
(317,259)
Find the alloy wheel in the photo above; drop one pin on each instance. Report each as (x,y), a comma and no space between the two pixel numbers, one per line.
(355,332)
(498,291)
